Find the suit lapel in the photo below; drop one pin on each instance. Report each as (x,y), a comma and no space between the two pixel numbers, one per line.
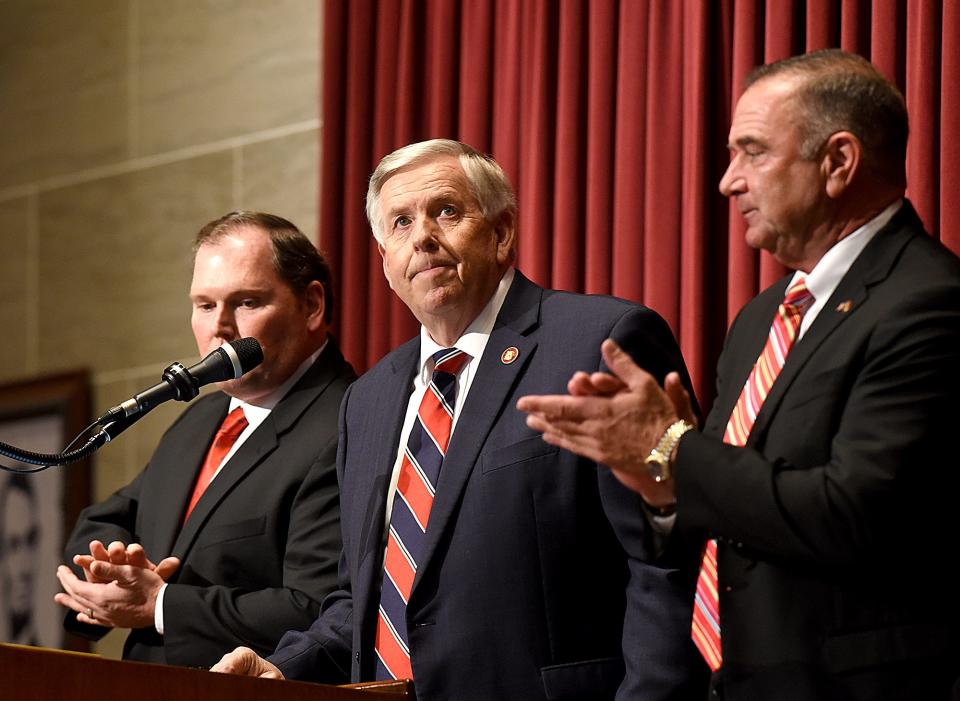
(249,455)
(871,266)
(751,339)
(180,474)
(259,445)
(490,389)
(370,502)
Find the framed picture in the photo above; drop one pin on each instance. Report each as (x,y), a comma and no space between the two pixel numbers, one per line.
(37,511)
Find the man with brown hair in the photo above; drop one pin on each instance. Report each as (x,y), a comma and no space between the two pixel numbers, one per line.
(241,493)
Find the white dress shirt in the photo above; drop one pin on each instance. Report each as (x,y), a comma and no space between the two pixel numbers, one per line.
(472,342)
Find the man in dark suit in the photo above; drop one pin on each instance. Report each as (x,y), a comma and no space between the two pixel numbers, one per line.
(253,535)
(823,480)
(529,572)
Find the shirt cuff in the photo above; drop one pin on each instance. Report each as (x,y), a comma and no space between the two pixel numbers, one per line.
(158,610)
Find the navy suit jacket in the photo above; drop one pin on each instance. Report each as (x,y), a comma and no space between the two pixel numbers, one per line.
(537,581)
(260,549)
(837,523)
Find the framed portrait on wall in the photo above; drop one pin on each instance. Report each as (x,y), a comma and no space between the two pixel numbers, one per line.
(38,510)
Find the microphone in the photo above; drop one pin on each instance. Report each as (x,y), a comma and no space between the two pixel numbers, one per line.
(228,362)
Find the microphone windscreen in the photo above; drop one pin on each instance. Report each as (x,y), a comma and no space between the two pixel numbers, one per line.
(249,353)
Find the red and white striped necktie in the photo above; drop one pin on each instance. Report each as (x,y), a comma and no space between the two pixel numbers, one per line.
(783,333)
(416,486)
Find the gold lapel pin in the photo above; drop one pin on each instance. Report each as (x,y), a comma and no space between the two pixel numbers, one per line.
(509,355)
(845,306)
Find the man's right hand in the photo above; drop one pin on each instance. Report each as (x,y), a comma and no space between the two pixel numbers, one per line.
(118,554)
(246,662)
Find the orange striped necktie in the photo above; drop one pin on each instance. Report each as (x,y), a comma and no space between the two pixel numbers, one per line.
(783,332)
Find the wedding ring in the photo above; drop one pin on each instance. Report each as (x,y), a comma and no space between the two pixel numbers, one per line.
(90,613)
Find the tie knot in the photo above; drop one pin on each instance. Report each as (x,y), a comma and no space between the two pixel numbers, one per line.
(233,424)
(798,295)
(449,360)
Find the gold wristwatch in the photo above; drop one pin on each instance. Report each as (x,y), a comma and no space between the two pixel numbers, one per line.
(659,462)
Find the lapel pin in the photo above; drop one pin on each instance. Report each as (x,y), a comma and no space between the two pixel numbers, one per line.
(509,355)
(845,306)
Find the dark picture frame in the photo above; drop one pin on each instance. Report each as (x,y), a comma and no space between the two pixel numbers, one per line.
(41,415)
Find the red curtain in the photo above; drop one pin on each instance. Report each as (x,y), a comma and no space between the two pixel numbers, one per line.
(610,117)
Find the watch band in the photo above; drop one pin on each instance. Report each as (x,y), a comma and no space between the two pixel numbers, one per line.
(659,459)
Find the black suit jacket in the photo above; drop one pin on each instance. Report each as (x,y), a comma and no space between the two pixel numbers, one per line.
(836,523)
(260,550)
(537,582)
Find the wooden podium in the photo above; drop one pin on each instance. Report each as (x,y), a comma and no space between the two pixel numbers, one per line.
(36,674)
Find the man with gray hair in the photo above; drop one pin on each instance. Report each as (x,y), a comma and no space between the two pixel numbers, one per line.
(822,486)
(478,560)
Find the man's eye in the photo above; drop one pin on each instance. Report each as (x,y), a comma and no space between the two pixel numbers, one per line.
(448,211)
(401,222)
(250,303)
(204,306)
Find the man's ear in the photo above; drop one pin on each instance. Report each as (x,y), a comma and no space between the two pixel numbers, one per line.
(841,162)
(383,258)
(315,302)
(505,229)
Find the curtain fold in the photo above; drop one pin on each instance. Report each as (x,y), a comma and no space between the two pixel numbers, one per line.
(610,117)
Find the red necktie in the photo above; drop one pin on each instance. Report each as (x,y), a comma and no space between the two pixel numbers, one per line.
(230,430)
(412,503)
(783,332)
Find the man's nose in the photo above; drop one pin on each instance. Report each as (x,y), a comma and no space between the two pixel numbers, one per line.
(732,182)
(425,235)
(226,323)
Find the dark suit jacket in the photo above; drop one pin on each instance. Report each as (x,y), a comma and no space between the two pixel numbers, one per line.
(537,575)
(836,523)
(260,550)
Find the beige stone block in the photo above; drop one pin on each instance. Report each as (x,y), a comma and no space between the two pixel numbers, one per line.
(115,264)
(14,288)
(63,86)
(280,176)
(223,68)
(112,464)
(150,429)
(135,446)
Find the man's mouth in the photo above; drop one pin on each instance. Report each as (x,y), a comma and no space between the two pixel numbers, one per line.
(432,268)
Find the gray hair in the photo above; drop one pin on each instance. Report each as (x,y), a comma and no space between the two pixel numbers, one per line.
(488,183)
(842,91)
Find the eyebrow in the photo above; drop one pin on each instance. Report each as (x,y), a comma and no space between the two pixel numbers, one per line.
(246,292)
(744,141)
(447,194)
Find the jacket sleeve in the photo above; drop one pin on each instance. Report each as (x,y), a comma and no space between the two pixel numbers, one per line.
(322,652)
(112,519)
(661,661)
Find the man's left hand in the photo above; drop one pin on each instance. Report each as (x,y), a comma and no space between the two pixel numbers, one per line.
(121,596)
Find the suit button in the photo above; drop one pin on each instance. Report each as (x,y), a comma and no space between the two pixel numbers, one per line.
(358,658)
(728,588)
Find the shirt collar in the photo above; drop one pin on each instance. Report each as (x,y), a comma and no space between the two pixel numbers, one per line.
(267,403)
(474,338)
(830,269)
